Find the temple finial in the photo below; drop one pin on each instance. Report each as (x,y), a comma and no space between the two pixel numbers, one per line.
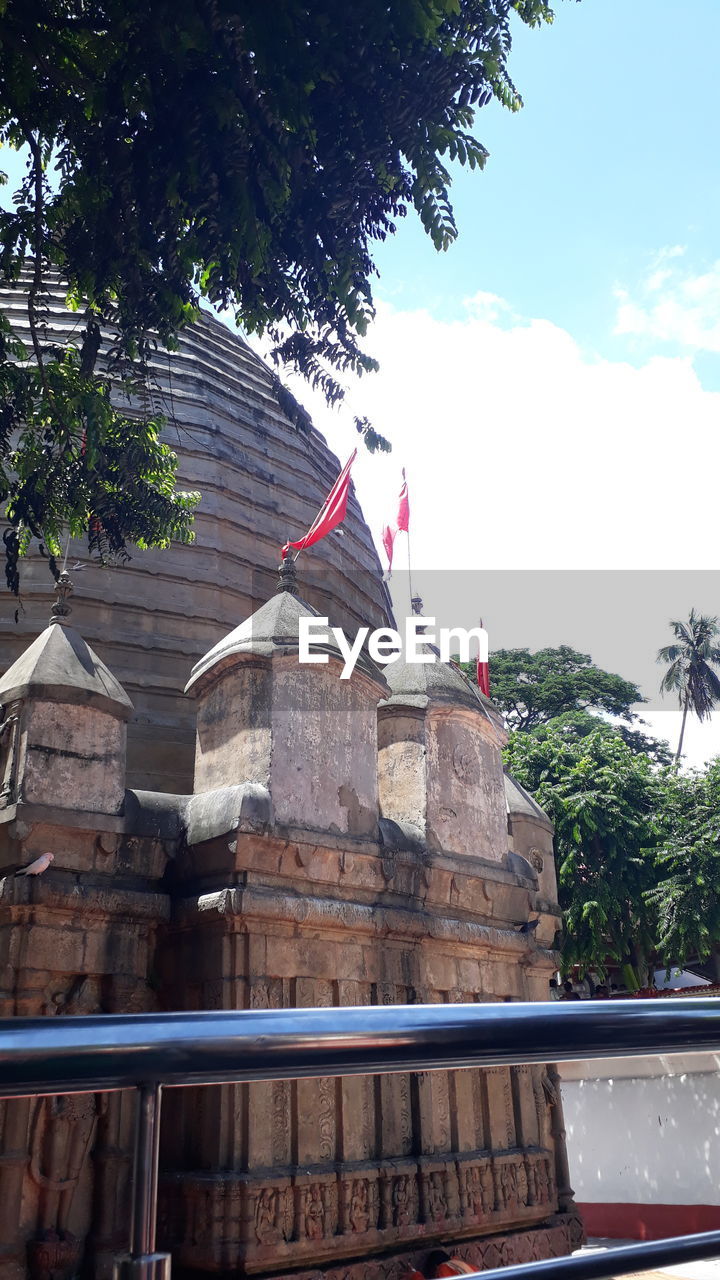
(61,609)
(287,576)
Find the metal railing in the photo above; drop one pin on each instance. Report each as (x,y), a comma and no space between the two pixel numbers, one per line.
(41,1056)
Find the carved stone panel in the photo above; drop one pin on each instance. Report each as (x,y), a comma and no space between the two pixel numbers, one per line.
(359,1202)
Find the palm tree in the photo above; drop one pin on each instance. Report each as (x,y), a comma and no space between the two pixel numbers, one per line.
(690,672)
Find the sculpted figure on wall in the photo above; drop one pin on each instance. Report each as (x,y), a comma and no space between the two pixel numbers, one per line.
(62,1131)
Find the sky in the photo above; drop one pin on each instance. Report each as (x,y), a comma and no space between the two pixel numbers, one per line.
(552,383)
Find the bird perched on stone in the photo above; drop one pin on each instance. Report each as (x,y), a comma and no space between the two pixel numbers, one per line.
(37,867)
(529,926)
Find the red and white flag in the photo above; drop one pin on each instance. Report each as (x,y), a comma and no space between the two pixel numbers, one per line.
(400,523)
(331,513)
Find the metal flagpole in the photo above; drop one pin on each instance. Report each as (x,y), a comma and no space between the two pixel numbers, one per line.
(416,604)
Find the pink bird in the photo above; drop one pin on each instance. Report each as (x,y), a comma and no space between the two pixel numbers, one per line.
(37,867)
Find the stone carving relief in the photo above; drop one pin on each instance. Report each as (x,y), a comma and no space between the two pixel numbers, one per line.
(360,1205)
(481,1255)
(314,1213)
(326,1117)
(317,1211)
(8,753)
(280,1120)
(271,1216)
(62,1131)
(465,761)
(510,1187)
(536,860)
(260,995)
(435,1196)
(521,1183)
(404,1201)
(477,1191)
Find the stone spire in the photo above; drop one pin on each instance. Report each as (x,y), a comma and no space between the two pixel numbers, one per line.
(440,747)
(61,610)
(531,835)
(295,728)
(60,667)
(67,718)
(287,576)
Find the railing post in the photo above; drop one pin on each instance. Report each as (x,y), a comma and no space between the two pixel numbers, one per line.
(143,1263)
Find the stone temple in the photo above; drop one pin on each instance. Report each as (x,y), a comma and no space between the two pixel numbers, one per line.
(233,829)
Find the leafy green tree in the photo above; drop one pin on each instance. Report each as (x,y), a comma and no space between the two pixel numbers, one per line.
(578,724)
(690,671)
(686,897)
(533,688)
(601,796)
(70,461)
(250,154)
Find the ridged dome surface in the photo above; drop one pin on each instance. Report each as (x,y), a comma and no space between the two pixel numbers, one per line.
(262,480)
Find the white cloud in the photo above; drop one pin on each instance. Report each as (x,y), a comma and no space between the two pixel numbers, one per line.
(524,452)
(672,305)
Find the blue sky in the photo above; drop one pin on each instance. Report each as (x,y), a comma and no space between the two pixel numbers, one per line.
(612,159)
(552,382)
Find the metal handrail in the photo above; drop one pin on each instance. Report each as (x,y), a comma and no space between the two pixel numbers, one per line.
(623,1260)
(147,1051)
(118,1051)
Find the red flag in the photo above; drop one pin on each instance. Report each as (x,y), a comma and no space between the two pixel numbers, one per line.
(331,513)
(401,522)
(483,677)
(483,673)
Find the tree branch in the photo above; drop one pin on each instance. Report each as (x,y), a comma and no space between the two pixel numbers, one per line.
(38,222)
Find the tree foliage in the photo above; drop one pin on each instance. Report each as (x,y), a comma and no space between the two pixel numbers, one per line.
(602,798)
(686,896)
(534,688)
(579,724)
(70,461)
(247,153)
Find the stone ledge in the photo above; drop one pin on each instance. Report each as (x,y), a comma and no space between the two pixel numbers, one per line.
(18,897)
(267,904)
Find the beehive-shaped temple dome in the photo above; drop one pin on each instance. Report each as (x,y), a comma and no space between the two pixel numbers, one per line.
(262,480)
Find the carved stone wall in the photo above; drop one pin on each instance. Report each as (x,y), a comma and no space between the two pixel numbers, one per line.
(264,1176)
(258,1178)
(78,940)
(249,896)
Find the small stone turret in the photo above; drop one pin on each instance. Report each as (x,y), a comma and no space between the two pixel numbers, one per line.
(64,728)
(531,836)
(440,765)
(297,729)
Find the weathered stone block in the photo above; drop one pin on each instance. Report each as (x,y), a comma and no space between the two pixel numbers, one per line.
(297,729)
(439,761)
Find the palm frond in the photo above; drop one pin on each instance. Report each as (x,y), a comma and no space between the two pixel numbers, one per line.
(690,671)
